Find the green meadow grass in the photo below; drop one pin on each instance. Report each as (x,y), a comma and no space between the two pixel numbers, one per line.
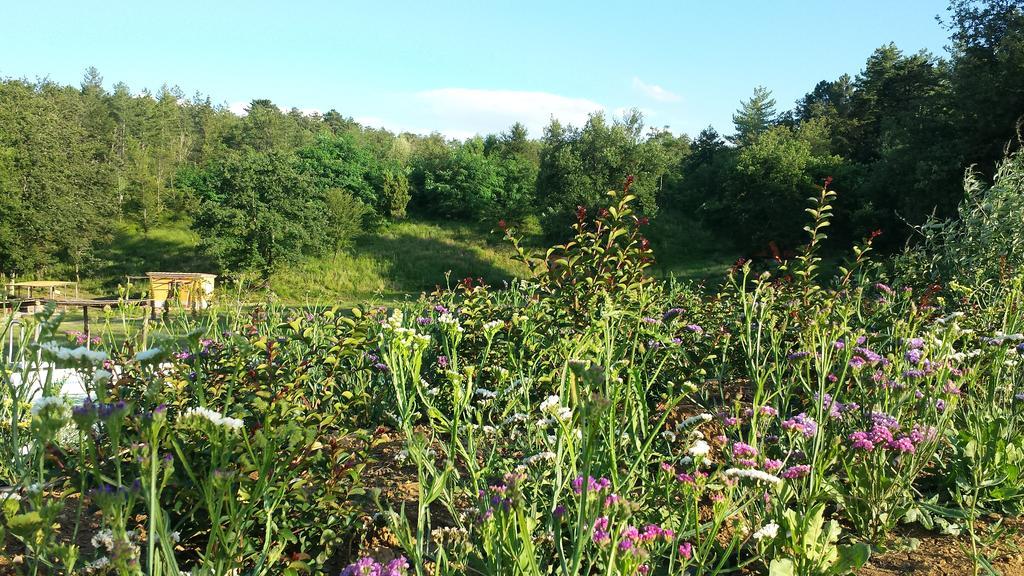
(396,262)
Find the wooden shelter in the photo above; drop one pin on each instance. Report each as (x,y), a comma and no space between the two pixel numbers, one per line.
(41,289)
(191,290)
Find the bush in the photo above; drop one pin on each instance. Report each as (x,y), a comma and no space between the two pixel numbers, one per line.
(346,217)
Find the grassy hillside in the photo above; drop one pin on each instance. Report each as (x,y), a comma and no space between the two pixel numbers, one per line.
(397,261)
(402,259)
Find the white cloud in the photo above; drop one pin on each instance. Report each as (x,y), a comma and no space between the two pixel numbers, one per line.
(462,113)
(466,111)
(239,108)
(654,91)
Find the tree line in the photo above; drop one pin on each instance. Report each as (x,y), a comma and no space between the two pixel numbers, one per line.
(265,188)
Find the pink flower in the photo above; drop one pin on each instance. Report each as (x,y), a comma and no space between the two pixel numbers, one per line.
(798,471)
(743,450)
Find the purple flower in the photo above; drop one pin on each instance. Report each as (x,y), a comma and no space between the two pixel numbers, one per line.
(695,328)
(593,485)
(834,408)
(684,478)
(798,355)
(901,444)
(883,419)
(880,435)
(860,441)
(801,423)
(686,550)
(601,534)
(869,355)
(671,314)
(913,356)
(367,566)
(743,450)
(798,471)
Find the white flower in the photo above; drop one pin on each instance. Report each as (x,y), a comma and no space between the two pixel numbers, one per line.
(175,536)
(147,355)
(694,420)
(564,414)
(550,403)
(539,457)
(101,376)
(46,402)
(669,436)
(769,530)
(753,474)
(98,564)
(552,406)
(76,354)
(493,326)
(517,417)
(699,448)
(89,356)
(103,539)
(449,322)
(485,393)
(214,417)
(395,321)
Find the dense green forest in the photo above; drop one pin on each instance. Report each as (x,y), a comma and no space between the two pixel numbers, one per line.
(80,164)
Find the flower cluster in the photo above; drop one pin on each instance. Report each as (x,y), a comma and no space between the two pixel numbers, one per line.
(214,417)
(758,475)
(552,406)
(884,435)
(80,355)
(802,424)
(367,566)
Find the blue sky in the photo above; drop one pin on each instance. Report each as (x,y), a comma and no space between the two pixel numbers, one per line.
(468,67)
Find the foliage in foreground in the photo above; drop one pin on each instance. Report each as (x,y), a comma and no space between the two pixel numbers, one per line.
(587,420)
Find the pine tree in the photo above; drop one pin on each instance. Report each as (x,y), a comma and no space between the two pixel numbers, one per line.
(754,117)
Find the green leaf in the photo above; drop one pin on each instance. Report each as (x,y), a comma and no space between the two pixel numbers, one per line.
(852,557)
(781,567)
